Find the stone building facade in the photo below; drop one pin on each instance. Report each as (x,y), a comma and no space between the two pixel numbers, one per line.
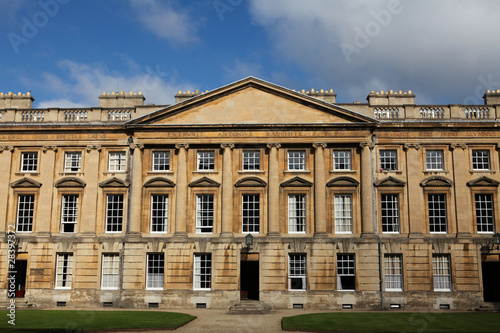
(363,205)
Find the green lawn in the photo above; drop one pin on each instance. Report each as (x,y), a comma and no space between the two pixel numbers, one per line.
(400,322)
(79,321)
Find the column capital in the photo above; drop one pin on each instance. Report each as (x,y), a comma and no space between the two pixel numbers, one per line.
(458,145)
(93,147)
(370,145)
(317,145)
(227,145)
(273,145)
(181,145)
(133,146)
(407,146)
(9,148)
(45,148)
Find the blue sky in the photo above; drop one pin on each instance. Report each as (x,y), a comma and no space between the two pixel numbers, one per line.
(67,52)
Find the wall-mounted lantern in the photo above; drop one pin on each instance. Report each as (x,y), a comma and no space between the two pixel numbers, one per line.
(249,241)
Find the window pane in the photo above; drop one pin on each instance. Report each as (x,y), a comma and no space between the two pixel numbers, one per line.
(484,213)
(64,270)
(204,213)
(251,160)
(69,214)
(117,161)
(434,159)
(441,272)
(159,213)
(155,272)
(161,161)
(296,160)
(72,162)
(390,213)
(437,213)
(297,272)
(393,273)
(29,162)
(206,160)
(251,213)
(110,271)
(343,213)
(342,160)
(202,272)
(388,160)
(480,160)
(346,274)
(114,213)
(25,213)
(296,213)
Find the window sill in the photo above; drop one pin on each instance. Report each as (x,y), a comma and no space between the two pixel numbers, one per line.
(344,290)
(113,172)
(398,172)
(481,171)
(160,172)
(297,171)
(250,171)
(25,173)
(71,173)
(343,171)
(206,171)
(426,171)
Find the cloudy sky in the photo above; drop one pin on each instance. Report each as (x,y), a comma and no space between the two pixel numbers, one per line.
(67,52)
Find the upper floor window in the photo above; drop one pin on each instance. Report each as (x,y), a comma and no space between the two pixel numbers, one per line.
(161,161)
(25,213)
(296,213)
(117,161)
(485,217)
(434,160)
(206,161)
(441,272)
(29,162)
(114,213)
(480,160)
(341,160)
(346,272)
(388,160)
(250,213)
(390,213)
(64,271)
(110,271)
(202,272)
(437,213)
(393,272)
(69,213)
(343,213)
(296,160)
(297,272)
(73,162)
(251,160)
(204,213)
(159,213)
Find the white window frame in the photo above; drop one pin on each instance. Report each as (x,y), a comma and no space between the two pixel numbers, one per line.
(250,213)
(205,160)
(205,215)
(159,213)
(69,211)
(389,162)
(250,160)
(441,272)
(29,161)
(73,160)
(485,213)
(110,272)
(393,272)
(114,215)
(438,215)
(25,215)
(161,161)
(64,271)
(342,203)
(297,270)
(393,220)
(296,213)
(342,160)
(481,159)
(202,261)
(117,161)
(155,271)
(346,266)
(296,160)
(434,159)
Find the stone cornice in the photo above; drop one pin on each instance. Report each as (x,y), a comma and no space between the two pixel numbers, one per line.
(91,147)
(458,145)
(407,146)
(53,148)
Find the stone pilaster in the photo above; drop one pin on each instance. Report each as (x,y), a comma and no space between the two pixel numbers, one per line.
(44,214)
(414,191)
(5,166)
(462,195)
(273,192)
(227,190)
(181,191)
(367,227)
(319,190)
(136,190)
(89,203)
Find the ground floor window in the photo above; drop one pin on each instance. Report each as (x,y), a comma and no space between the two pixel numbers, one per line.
(156,269)
(297,272)
(64,271)
(346,273)
(441,272)
(393,272)
(110,271)
(202,275)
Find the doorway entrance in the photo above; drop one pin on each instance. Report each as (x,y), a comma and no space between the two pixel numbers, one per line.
(491,277)
(249,276)
(20,269)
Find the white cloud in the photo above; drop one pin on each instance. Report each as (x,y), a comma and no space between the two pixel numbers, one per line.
(79,85)
(162,19)
(434,48)
(241,69)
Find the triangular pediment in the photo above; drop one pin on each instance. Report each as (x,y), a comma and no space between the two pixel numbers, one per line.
(390,182)
(296,182)
(250,182)
(69,182)
(436,181)
(114,182)
(483,181)
(343,182)
(251,101)
(159,182)
(204,182)
(25,182)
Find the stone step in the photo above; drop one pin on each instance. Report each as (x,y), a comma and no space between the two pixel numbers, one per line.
(489,307)
(250,305)
(21,303)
